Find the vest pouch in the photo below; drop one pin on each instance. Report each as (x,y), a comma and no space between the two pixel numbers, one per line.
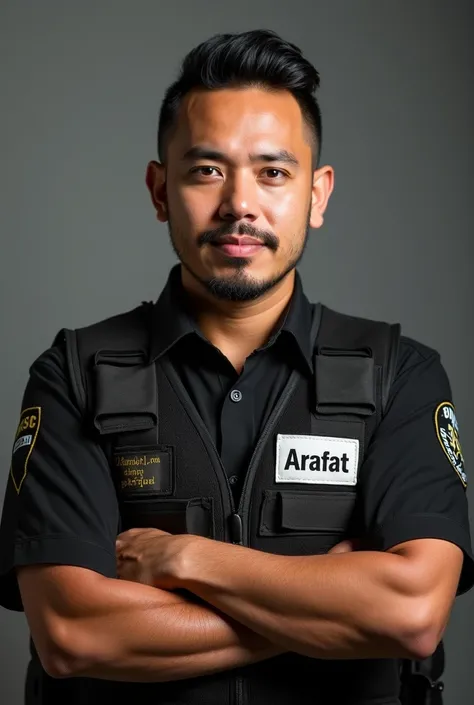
(345,382)
(175,516)
(324,513)
(125,393)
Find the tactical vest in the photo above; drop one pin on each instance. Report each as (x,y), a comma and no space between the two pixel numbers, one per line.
(299,495)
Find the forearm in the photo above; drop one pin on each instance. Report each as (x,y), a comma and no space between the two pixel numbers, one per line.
(139,633)
(353,605)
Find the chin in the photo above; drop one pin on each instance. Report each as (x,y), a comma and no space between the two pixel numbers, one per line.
(239,286)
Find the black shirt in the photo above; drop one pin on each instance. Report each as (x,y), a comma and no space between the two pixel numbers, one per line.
(233,406)
(61,507)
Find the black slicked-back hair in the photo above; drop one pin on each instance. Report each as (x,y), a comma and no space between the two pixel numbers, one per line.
(259,58)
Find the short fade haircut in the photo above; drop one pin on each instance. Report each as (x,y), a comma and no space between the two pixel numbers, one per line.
(258,58)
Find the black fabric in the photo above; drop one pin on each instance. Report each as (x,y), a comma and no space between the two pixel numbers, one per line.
(68,509)
(408,488)
(209,378)
(173,320)
(351,333)
(176,516)
(351,378)
(305,513)
(125,396)
(294,680)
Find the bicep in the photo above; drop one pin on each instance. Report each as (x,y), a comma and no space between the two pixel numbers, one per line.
(432,572)
(435,568)
(60,504)
(409,489)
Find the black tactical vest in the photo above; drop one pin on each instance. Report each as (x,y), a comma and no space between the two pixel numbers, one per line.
(299,496)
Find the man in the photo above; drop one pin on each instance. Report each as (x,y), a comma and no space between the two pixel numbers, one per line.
(266,552)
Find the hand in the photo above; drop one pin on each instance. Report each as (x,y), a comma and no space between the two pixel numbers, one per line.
(150,556)
(346,546)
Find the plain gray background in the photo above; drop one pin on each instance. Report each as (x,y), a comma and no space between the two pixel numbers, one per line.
(81,86)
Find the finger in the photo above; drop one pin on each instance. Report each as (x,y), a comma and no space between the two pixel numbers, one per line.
(128,533)
(342,547)
(122,568)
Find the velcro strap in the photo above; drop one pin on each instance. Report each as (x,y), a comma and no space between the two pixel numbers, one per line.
(345,381)
(126,392)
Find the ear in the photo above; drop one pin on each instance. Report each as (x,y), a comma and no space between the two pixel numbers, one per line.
(323,184)
(156,183)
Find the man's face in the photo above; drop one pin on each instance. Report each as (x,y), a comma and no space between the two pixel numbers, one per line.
(238,189)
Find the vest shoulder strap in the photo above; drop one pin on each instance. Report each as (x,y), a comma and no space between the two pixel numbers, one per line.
(355,359)
(124,334)
(355,363)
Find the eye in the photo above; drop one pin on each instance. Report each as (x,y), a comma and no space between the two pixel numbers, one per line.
(205,170)
(275,174)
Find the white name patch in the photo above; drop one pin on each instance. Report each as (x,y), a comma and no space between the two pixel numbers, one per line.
(316,460)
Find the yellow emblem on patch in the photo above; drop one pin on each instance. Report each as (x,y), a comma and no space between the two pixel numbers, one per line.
(447,429)
(25,439)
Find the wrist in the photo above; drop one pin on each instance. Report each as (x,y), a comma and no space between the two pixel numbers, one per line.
(186,560)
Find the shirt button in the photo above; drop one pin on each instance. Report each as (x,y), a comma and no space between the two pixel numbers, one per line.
(233,479)
(236,395)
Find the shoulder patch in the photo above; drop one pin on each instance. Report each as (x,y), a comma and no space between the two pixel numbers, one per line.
(447,429)
(25,439)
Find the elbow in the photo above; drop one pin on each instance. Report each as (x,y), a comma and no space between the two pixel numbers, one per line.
(420,633)
(64,654)
(420,647)
(57,664)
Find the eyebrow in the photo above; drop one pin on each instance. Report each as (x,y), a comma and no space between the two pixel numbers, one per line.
(280,155)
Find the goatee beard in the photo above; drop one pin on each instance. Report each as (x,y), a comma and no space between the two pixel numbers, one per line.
(236,286)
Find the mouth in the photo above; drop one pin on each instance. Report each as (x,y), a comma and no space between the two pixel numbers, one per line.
(238,246)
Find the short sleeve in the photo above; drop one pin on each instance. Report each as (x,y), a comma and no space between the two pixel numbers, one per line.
(413,482)
(60,505)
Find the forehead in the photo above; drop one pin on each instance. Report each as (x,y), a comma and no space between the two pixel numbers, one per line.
(236,119)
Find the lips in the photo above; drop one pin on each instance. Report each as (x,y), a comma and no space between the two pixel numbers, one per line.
(238,240)
(239,246)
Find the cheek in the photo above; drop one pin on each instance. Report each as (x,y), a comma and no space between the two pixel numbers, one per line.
(285,207)
(191,208)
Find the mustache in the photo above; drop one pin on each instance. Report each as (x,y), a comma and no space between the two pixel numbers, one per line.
(266,237)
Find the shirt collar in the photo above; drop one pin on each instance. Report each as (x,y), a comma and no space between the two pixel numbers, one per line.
(172,321)
(297,322)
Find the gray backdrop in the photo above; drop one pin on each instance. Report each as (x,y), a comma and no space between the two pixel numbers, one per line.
(82,84)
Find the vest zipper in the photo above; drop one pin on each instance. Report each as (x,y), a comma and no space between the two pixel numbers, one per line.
(179,388)
(241,516)
(236,529)
(239,521)
(235,524)
(239,690)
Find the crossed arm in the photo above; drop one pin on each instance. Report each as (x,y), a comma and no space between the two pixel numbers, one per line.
(256,605)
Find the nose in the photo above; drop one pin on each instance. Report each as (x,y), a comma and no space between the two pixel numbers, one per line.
(239,198)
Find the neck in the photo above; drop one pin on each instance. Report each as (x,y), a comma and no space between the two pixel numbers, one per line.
(237,328)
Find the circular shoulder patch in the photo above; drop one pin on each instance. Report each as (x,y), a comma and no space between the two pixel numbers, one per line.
(447,429)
